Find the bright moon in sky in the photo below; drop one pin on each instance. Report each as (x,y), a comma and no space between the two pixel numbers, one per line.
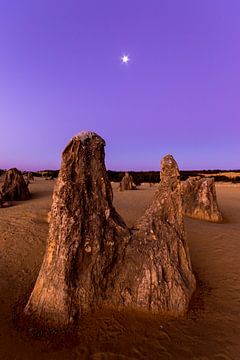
(125,59)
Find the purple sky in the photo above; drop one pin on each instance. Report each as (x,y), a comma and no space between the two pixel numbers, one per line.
(60,73)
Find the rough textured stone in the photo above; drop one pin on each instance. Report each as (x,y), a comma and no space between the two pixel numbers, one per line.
(127,183)
(86,236)
(92,258)
(200,199)
(155,273)
(14,186)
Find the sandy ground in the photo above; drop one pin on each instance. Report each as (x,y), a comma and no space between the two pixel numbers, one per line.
(211,330)
(229,174)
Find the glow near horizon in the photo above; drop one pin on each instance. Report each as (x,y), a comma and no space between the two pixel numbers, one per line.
(60,73)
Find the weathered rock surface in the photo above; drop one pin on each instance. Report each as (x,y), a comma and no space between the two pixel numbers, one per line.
(200,199)
(127,183)
(92,258)
(86,236)
(155,273)
(14,186)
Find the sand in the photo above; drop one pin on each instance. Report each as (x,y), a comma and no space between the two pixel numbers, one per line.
(211,329)
(229,174)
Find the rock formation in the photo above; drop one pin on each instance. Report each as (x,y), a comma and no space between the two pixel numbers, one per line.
(127,183)
(86,236)
(155,273)
(92,258)
(30,176)
(200,199)
(14,186)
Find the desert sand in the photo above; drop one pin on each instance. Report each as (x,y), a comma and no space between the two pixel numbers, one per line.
(211,329)
(229,174)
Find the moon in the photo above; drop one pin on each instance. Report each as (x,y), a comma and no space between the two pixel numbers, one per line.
(125,59)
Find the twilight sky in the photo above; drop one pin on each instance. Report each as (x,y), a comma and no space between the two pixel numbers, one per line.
(61,72)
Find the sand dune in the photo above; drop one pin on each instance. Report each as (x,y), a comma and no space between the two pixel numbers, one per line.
(210,331)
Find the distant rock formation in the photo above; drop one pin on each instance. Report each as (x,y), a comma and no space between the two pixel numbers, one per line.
(200,199)
(49,178)
(50,174)
(30,176)
(92,258)
(14,186)
(127,183)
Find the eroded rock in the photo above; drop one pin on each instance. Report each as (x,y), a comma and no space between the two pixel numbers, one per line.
(14,187)
(127,183)
(30,176)
(92,258)
(155,273)
(200,199)
(86,236)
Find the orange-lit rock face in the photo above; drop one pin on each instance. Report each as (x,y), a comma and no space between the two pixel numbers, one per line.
(92,258)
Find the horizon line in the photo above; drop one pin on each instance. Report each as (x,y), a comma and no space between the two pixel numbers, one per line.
(128,170)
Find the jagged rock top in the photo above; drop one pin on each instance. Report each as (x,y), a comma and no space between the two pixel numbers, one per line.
(169,173)
(84,137)
(169,167)
(87,135)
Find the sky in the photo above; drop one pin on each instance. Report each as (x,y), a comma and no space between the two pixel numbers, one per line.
(61,72)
